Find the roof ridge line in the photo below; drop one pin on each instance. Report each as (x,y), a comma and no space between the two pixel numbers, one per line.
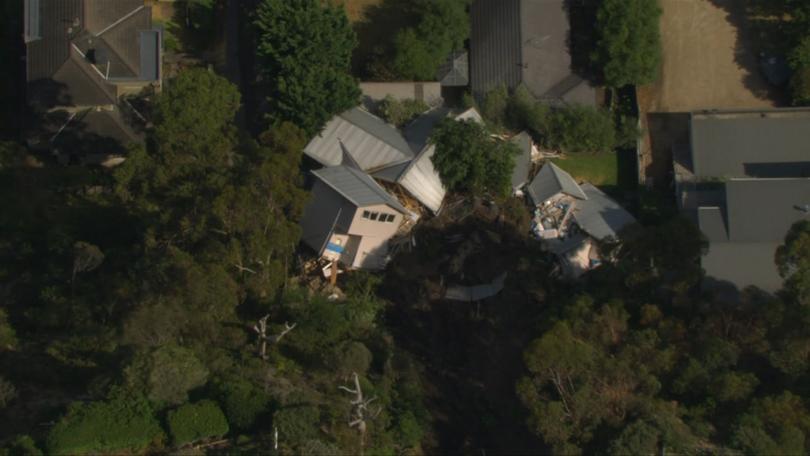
(377,136)
(119,21)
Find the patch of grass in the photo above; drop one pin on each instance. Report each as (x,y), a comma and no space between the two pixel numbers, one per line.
(599,169)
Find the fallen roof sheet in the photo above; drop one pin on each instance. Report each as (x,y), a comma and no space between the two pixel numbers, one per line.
(523,162)
(475,292)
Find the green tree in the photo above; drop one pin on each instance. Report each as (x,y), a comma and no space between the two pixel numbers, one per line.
(22,445)
(119,425)
(192,422)
(166,374)
(629,46)
(7,392)
(305,49)
(441,27)
(8,337)
(793,260)
(774,425)
(467,159)
(242,402)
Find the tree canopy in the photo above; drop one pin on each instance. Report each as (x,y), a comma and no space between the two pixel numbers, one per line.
(629,42)
(467,159)
(304,49)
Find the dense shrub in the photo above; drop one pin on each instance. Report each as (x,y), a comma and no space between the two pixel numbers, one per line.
(242,402)
(800,87)
(121,424)
(166,374)
(581,129)
(197,421)
(7,392)
(297,424)
(400,112)
(23,445)
(350,357)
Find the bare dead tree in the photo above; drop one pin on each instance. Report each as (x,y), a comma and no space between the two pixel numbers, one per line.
(261,330)
(360,409)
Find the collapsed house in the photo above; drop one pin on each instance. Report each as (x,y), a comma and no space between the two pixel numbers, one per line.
(82,58)
(744,178)
(369,167)
(569,218)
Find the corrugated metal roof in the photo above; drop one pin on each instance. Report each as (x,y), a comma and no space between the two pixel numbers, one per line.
(753,144)
(523,162)
(737,265)
(599,215)
(150,55)
(357,186)
(475,292)
(418,132)
(423,182)
(374,144)
(550,181)
(495,45)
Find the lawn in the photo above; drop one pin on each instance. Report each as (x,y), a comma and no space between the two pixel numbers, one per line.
(601,170)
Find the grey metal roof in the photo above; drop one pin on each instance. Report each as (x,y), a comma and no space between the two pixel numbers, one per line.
(550,181)
(475,292)
(523,162)
(763,210)
(373,143)
(751,144)
(455,72)
(524,41)
(418,132)
(599,215)
(423,182)
(357,187)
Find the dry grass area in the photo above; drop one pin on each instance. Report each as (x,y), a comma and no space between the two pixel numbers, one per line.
(708,59)
(355,8)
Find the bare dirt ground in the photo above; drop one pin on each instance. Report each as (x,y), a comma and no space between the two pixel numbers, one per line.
(708,59)
(709,62)
(355,9)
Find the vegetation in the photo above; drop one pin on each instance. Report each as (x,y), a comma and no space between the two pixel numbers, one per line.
(197,421)
(441,27)
(629,42)
(120,424)
(304,49)
(571,128)
(400,112)
(468,160)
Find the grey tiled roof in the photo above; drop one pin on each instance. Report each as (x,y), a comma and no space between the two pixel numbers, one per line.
(357,187)
(550,181)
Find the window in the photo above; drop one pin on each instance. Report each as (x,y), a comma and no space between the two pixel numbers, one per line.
(390,218)
(366,214)
(374,215)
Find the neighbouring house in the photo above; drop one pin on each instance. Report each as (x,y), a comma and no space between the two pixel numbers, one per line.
(570,217)
(82,58)
(368,166)
(516,42)
(744,178)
